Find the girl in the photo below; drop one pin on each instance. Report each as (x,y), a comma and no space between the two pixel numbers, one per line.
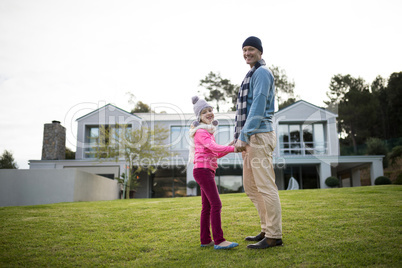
(205,152)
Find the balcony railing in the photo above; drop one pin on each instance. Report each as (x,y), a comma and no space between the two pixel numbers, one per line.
(303,148)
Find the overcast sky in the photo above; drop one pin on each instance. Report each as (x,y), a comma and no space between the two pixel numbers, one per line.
(62,59)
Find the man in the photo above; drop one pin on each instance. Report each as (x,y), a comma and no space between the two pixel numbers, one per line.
(255,138)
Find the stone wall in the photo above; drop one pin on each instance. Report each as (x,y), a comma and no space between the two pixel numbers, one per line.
(54,142)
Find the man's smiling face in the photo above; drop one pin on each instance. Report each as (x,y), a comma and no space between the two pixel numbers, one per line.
(251,55)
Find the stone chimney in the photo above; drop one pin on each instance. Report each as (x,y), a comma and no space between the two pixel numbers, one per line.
(54,142)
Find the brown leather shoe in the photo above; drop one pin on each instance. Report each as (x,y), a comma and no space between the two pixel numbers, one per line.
(266,243)
(258,237)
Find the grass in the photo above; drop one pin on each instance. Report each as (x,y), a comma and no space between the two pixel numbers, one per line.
(343,227)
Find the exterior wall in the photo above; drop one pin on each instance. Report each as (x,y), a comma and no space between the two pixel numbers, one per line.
(115,170)
(376,170)
(190,177)
(332,137)
(303,112)
(90,187)
(325,172)
(90,166)
(47,186)
(107,115)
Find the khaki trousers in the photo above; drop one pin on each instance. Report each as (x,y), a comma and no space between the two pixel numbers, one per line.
(259,182)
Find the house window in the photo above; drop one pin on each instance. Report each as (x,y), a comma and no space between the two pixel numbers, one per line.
(302,139)
(94,137)
(224,135)
(169,182)
(306,176)
(319,139)
(229,179)
(91,141)
(179,137)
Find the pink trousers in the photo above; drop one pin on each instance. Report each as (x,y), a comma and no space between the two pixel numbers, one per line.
(211,206)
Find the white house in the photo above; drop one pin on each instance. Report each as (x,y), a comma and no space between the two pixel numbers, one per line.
(307,150)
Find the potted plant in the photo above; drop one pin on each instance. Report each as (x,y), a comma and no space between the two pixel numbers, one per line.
(129,185)
(192,185)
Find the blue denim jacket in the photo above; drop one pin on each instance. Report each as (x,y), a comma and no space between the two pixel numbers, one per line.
(260,104)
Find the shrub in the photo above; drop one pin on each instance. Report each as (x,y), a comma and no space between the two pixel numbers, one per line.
(375,146)
(398,179)
(382,180)
(191,184)
(332,182)
(395,154)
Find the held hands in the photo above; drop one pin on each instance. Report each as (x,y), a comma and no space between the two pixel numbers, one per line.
(240,146)
(232,143)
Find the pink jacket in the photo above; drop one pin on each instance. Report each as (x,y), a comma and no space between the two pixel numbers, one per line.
(207,151)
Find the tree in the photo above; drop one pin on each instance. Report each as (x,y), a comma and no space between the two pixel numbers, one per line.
(143,148)
(376,146)
(339,86)
(284,88)
(286,103)
(141,107)
(388,94)
(7,161)
(379,91)
(367,112)
(70,154)
(394,104)
(220,90)
(356,107)
(395,154)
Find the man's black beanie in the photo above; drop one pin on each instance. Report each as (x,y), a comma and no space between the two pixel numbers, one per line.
(254,42)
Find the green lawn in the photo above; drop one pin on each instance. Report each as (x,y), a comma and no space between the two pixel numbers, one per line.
(341,227)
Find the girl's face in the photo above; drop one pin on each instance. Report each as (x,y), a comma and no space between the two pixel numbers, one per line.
(207,115)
